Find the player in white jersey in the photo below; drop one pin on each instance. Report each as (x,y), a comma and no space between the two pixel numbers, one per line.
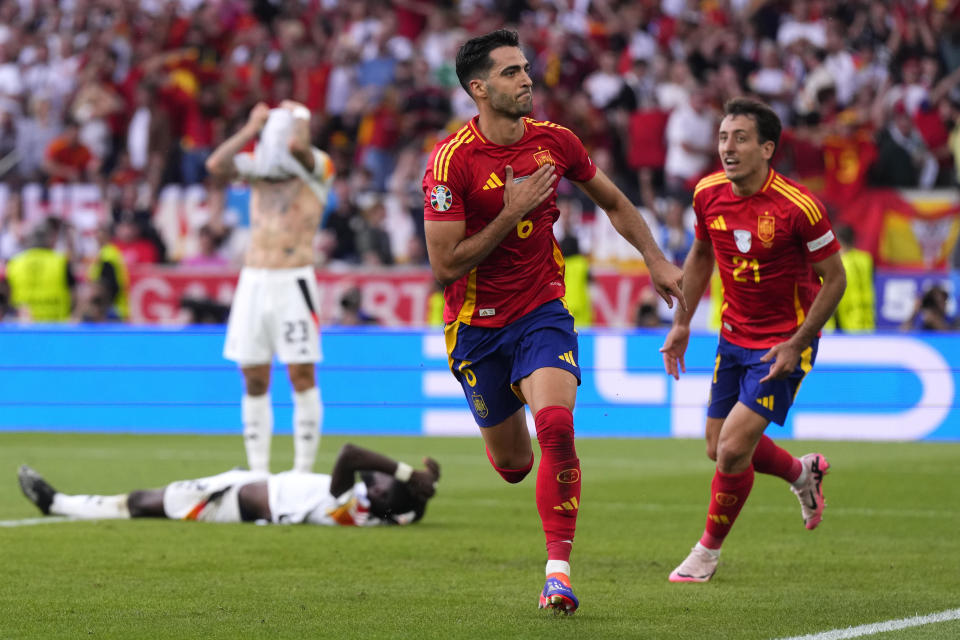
(274,309)
(364,488)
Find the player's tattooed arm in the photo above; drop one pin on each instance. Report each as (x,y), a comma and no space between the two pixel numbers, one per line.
(300,136)
(220,162)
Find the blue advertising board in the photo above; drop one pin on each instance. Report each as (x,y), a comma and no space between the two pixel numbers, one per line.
(888,386)
(897,293)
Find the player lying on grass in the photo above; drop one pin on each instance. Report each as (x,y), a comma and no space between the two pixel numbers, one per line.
(387,492)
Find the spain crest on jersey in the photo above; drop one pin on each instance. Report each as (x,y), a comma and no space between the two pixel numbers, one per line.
(743,239)
(441,198)
(479,406)
(543,157)
(765,227)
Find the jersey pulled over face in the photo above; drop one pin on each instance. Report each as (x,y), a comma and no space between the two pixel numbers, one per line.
(464,181)
(764,245)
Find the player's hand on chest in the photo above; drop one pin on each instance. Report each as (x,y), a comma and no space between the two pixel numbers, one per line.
(486,187)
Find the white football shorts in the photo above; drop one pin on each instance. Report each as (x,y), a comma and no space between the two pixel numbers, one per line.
(274,311)
(211,499)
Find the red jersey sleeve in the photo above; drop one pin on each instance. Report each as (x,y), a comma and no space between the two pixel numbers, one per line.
(700,227)
(581,168)
(813,227)
(701,194)
(442,193)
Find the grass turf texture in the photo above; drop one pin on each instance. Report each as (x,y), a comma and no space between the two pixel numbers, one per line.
(887,549)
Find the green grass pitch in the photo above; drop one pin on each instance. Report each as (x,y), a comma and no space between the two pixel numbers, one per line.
(888,548)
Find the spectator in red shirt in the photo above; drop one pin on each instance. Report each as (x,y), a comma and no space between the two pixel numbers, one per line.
(310,75)
(67,159)
(129,240)
(933,118)
(133,232)
(648,149)
(801,152)
(848,154)
(378,137)
(202,126)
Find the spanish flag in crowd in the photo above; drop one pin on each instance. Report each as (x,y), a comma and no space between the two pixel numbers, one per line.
(904,229)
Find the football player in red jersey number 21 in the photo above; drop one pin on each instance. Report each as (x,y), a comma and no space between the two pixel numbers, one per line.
(782,278)
(489,208)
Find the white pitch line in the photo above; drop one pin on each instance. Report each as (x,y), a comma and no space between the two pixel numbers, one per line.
(27,522)
(881,627)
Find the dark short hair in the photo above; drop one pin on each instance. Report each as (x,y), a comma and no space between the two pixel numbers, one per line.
(929,299)
(399,500)
(766,119)
(473,58)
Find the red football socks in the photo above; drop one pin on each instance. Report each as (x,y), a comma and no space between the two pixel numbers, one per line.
(728,492)
(513,476)
(558,480)
(770,459)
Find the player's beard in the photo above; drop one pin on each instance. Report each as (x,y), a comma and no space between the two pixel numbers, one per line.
(510,106)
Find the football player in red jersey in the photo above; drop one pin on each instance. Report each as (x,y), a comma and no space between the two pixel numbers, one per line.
(489,209)
(773,244)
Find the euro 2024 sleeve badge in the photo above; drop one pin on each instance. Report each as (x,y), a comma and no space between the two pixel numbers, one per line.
(441,198)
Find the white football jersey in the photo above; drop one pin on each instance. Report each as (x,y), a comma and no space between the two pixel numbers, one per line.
(305,497)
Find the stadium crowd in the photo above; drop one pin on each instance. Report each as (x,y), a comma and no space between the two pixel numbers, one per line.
(131,97)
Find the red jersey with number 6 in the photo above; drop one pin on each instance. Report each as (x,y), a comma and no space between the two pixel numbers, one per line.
(464,181)
(764,246)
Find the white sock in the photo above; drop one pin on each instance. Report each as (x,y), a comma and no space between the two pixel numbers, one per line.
(257,415)
(713,552)
(558,566)
(307,425)
(112,507)
(804,474)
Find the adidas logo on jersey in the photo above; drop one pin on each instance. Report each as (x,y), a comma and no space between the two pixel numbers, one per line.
(493,182)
